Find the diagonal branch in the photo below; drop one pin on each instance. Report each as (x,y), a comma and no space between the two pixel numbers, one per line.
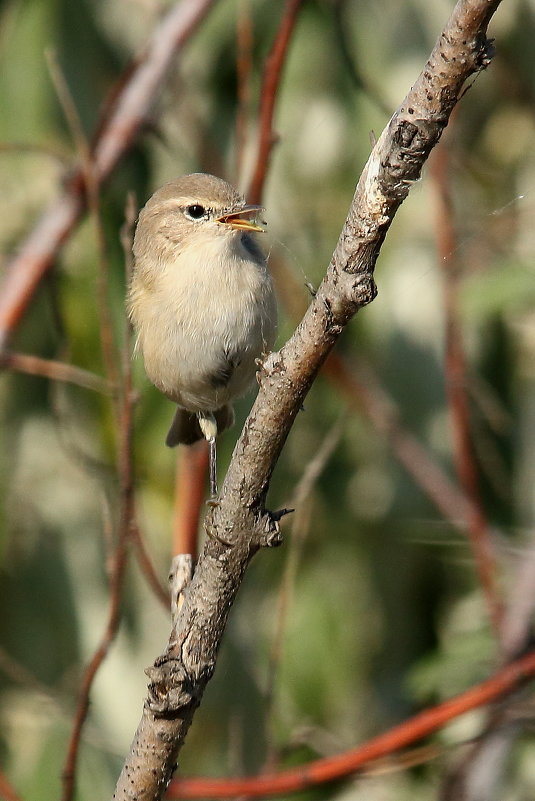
(239,524)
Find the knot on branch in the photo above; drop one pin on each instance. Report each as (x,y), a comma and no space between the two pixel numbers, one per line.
(273,364)
(268,528)
(412,141)
(486,52)
(170,689)
(260,530)
(360,266)
(355,289)
(364,290)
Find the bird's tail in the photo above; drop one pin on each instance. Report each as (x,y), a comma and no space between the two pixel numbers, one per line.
(185,429)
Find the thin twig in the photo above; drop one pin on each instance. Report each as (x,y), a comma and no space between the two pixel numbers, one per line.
(126,478)
(147,567)
(82,708)
(477,525)
(107,339)
(270,85)
(109,357)
(54,370)
(244,64)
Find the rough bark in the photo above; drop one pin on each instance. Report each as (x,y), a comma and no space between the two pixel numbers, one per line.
(239,524)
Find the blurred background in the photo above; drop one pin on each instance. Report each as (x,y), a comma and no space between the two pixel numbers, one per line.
(382,611)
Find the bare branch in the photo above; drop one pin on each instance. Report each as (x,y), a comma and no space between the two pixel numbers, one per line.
(239,524)
(91,183)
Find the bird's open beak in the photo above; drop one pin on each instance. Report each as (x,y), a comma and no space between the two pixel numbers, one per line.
(238,219)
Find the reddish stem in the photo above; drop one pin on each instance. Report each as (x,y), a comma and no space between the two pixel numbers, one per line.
(244,68)
(270,84)
(455,372)
(343,765)
(126,522)
(69,771)
(192,465)
(147,568)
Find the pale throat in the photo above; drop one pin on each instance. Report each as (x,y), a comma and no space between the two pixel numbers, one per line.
(205,254)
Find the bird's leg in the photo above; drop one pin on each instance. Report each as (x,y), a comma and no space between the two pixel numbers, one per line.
(208,426)
(212,462)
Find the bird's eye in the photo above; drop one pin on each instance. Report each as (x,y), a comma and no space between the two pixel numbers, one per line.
(195,211)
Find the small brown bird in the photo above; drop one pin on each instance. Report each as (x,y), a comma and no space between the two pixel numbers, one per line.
(201,301)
